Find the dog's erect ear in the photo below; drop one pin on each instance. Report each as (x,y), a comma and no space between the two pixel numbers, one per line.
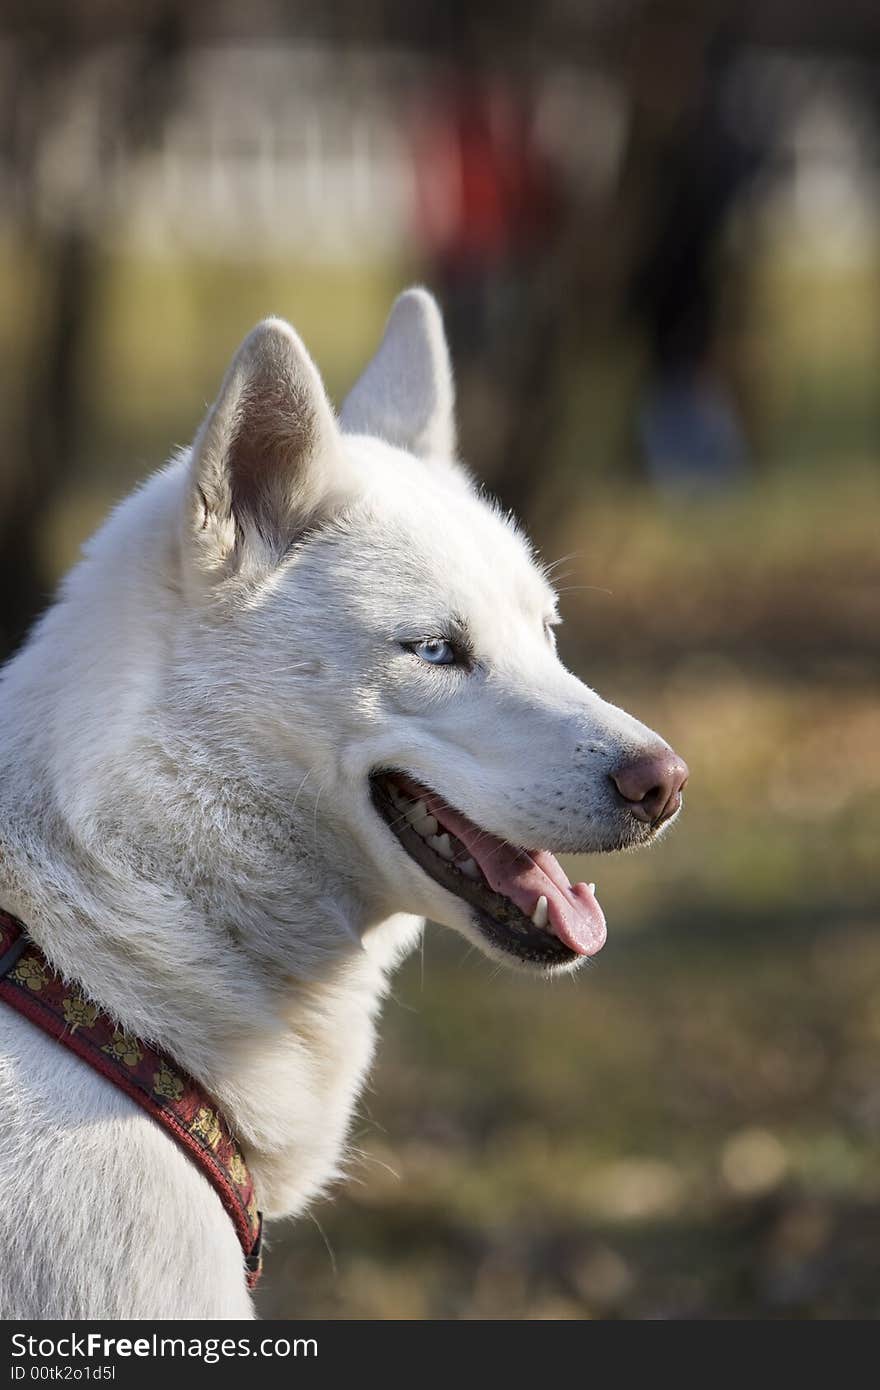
(405,395)
(267,459)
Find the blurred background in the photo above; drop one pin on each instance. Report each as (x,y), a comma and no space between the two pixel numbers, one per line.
(654,227)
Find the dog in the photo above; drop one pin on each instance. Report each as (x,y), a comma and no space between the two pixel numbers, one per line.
(300,693)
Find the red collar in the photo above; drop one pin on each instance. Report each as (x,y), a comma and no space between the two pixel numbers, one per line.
(29,984)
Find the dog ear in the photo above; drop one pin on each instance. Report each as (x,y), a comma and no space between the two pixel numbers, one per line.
(405,396)
(266,459)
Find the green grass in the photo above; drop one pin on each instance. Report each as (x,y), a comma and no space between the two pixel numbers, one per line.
(652,1140)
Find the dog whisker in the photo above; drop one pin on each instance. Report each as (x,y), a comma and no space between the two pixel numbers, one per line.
(321,791)
(299,789)
(583,588)
(366,1157)
(327,1246)
(549,569)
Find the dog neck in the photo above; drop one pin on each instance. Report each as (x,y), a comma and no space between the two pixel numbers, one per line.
(283,1051)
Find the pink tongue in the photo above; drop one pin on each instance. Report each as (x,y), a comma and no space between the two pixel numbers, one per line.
(575,916)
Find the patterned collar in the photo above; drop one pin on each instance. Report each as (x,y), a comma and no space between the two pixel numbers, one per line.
(152,1080)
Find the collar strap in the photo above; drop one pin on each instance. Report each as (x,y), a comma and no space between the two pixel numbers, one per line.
(149,1077)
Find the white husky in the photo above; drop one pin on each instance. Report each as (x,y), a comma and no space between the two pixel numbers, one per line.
(301,693)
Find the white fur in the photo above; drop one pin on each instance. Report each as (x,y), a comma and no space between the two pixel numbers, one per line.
(185,825)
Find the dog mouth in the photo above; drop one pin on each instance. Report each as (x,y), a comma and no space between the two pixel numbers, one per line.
(521,900)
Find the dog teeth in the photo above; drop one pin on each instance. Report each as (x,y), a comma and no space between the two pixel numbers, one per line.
(442,845)
(541,913)
(423,823)
(592,887)
(419,817)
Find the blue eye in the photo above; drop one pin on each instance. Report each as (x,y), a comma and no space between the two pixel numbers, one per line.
(436,651)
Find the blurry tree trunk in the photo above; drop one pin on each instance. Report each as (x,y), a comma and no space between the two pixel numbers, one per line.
(50,430)
(38,463)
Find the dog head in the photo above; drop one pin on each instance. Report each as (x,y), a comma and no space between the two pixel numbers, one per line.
(386,639)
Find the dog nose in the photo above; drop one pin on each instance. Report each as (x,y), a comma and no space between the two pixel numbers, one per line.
(652,785)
